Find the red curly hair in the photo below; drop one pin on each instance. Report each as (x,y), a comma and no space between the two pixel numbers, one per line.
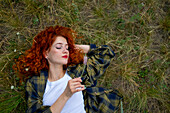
(34,59)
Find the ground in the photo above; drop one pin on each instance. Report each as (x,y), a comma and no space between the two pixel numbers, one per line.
(138,31)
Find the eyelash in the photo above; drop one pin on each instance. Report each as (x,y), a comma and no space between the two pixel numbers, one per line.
(58,47)
(61,47)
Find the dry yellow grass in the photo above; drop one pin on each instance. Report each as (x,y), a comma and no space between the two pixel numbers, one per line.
(137,30)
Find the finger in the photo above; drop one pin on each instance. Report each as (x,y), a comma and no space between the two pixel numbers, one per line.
(76,87)
(77,79)
(80,89)
(79,86)
(75,83)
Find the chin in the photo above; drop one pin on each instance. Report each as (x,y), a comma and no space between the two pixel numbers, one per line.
(65,63)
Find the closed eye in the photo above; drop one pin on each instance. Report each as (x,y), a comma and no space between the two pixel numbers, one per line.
(58,47)
(62,47)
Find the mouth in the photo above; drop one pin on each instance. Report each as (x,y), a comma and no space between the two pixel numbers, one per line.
(65,56)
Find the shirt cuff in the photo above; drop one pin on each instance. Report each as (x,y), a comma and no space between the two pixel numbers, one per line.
(92,46)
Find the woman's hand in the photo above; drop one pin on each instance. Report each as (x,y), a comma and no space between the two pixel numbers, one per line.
(73,86)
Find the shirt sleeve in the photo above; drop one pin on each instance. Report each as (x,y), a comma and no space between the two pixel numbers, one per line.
(34,102)
(99,59)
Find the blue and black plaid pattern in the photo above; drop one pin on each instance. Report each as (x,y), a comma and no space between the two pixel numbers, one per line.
(96,99)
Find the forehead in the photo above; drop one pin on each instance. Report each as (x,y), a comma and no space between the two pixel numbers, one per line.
(60,39)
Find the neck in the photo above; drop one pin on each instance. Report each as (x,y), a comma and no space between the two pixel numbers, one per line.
(55,72)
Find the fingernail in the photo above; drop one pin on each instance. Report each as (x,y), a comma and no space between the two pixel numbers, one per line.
(80,79)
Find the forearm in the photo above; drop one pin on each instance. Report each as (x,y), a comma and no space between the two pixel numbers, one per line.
(85,48)
(59,104)
(71,88)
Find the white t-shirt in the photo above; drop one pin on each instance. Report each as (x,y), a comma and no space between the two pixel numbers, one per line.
(53,90)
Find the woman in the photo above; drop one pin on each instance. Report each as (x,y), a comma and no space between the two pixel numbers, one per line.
(57,79)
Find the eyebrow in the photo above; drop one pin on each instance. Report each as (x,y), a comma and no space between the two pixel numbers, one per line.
(60,43)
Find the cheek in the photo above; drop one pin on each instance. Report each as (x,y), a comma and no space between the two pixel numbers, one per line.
(54,53)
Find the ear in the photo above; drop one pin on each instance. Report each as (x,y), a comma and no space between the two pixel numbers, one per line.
(45,54)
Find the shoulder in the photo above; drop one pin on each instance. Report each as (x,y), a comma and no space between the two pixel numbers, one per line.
(38,77)
(37,83)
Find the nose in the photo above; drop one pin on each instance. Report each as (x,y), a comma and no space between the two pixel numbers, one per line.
(65,49)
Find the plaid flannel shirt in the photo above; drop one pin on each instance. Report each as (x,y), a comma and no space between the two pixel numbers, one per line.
(96,99)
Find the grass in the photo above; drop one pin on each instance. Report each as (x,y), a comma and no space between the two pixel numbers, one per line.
(137,30)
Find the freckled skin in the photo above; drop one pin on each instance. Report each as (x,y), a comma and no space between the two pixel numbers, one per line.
(58,49)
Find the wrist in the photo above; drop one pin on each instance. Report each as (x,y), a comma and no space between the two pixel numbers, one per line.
(66,96)
(85,48)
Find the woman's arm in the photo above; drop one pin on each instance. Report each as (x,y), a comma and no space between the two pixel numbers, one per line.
(71,88)
(85,48)
(59,104)
(99,58)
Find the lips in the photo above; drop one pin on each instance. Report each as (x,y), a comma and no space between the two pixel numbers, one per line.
(65,56)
